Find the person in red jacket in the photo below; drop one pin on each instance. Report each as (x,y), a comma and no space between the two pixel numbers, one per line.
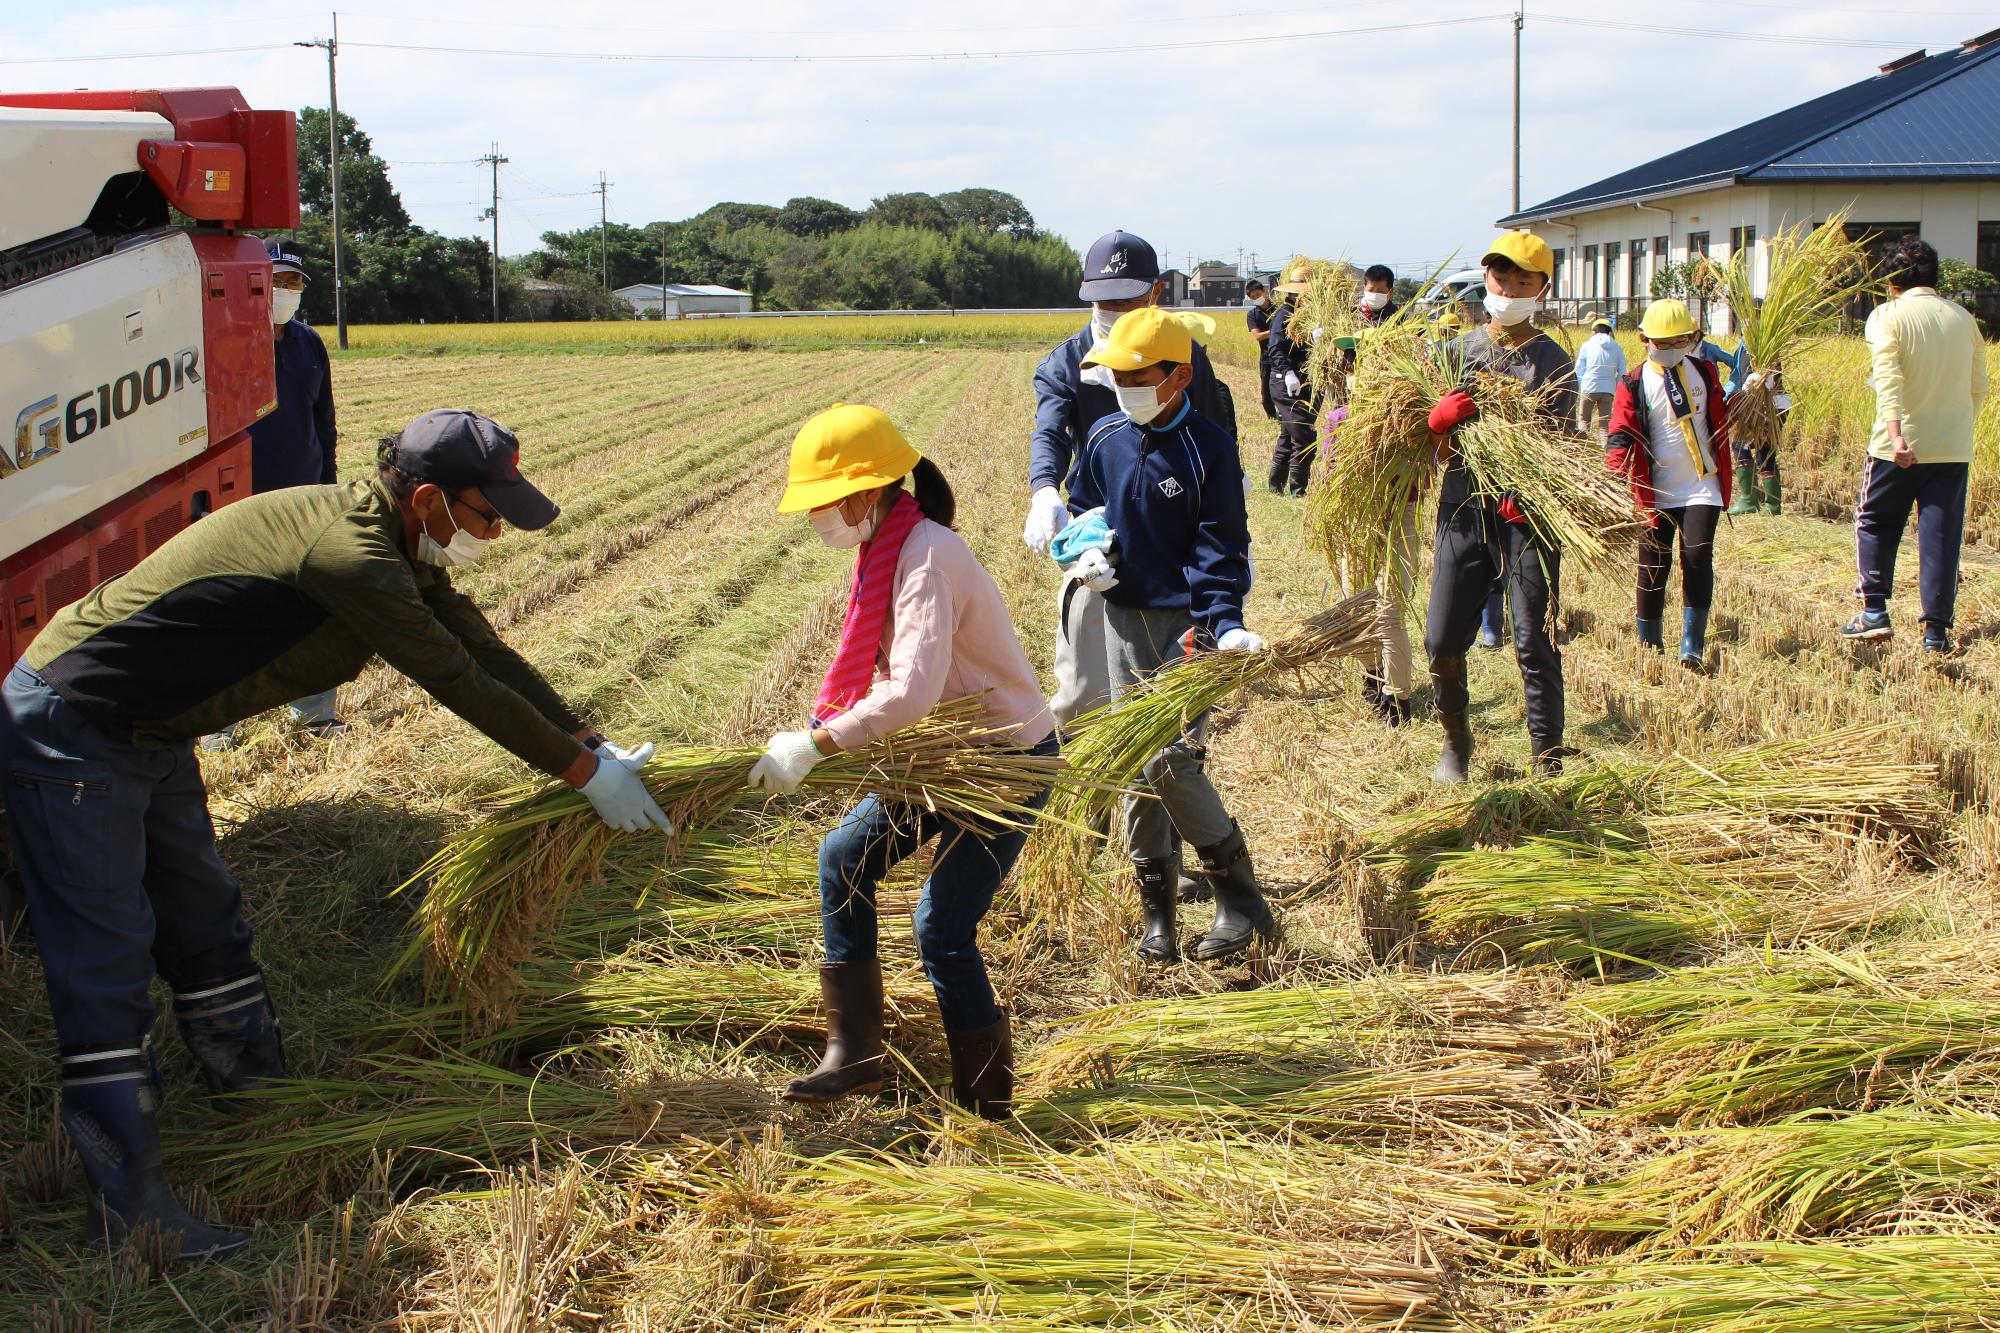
(1670,435)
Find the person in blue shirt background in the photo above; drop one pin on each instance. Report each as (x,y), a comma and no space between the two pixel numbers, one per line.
(1170,484)
(292,445)
(1599,364)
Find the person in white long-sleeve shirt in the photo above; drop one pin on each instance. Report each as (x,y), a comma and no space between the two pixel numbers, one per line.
(1600,362)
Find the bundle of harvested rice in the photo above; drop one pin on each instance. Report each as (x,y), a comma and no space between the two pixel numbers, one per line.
(1325,319)
(1382,455)
(491,893)
(1813,273)
(1791,1032)
(1927,1283)
(881,1242)
(1798,1177)
(1842,780)
(1570,900)
(1107,750)
(437,1116)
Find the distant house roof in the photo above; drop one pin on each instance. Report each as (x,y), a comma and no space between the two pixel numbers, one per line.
(1931,117)
(655,291)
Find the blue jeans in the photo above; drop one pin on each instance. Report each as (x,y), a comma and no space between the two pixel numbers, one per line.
(118,860)
(874,837)
(1888,493)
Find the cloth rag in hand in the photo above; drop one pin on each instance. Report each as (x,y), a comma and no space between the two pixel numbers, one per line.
(1086,532)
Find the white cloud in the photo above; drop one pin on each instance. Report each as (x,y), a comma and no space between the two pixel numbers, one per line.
(1392,145)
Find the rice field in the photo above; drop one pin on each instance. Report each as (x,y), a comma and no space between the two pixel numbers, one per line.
(1704,1035)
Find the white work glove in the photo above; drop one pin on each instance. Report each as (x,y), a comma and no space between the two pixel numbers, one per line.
(634,759)
(1753,379)
(1047,515)
(1239,640)
(1318,333)
(1292,384)
(621,799)
(1093,567)
(789,756)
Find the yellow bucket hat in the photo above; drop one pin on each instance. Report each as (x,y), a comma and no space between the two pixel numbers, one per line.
(845,449)
(1141,338)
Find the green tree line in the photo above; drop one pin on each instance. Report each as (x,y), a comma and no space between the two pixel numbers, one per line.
(965,248)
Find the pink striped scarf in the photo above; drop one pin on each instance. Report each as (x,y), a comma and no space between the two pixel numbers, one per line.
(868,598)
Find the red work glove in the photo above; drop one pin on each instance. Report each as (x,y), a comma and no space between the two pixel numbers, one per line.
(1511,511)
(1452,411)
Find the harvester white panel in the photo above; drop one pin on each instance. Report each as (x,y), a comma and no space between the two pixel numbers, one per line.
(56,164)
(101,379)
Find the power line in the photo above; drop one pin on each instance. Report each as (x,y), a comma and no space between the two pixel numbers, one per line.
(145,55)
(1780,38)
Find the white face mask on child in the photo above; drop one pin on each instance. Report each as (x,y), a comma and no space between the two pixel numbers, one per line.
(837,532)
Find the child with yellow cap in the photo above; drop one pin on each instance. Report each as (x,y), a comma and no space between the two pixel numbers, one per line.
(1170,484)
(1669,435)
(924,623)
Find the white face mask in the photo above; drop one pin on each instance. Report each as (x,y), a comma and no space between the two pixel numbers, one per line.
(1101,321)
(837,532)
(1666,358)
(462,549)
(1511,310)
(1140,402)
(1374,300)
(284,304)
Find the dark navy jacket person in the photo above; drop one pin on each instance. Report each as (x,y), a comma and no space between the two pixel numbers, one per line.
(293,445)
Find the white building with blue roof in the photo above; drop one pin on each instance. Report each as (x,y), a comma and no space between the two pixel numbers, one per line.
(1914,148)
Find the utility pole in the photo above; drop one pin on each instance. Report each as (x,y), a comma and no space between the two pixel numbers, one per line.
(1520,18)
(603,231)
(331,45)
(494,160)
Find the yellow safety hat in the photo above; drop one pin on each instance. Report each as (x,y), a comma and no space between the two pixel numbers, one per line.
(1141,338)
(845,449)
(1525,250)
(1200,327)
(1667,318)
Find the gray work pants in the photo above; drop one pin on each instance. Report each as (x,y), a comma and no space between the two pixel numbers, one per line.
(1139,642)
(1083,680)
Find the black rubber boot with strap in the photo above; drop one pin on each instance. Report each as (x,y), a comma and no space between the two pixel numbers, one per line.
(1159,893)
(1455,763)
(1241,914)
(851,993)
(982,1069)
(231,1027)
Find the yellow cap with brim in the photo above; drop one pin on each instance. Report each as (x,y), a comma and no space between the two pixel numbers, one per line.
(1524,250)
(1667,317)
(1141,338)
(845,449)
(1200,327)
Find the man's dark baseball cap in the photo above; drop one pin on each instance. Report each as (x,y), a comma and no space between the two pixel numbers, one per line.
(456,448)
(1119,267)
(285,257)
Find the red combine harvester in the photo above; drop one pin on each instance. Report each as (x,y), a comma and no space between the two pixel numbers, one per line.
(134,353)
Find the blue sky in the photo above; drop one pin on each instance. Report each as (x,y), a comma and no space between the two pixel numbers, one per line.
(1236,130)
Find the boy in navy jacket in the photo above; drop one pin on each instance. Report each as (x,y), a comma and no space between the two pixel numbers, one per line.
(1170,483)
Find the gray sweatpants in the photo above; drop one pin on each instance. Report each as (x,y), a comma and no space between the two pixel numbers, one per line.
(1139,642)
(1083,678)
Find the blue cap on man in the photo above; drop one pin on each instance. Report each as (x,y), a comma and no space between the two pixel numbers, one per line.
(457,448)
(285,257)
(1119,267)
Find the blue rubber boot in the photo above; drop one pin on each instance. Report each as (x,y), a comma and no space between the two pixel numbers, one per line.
(1650,634)
(1694,636)
(231,1028)
(110,1101)
(1491,623)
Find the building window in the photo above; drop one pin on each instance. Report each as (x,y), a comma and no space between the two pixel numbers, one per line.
(1635,275)
(1610,282)
(1741,239)
(1987,256)
(1588,283)
(1697,245)
(1556,278)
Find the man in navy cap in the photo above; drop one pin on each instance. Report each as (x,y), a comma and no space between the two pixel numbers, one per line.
(292,445)
(279,595)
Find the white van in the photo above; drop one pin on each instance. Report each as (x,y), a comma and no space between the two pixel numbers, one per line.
(1449,289)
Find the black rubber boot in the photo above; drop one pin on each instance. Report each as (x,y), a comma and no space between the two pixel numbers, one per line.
(1187,888)
(110,1101)
(1549,756)
(1371,688)
(231,1028)
(1455,763)
(1240,910)
(852,996)
(1157,894)
(982,1069)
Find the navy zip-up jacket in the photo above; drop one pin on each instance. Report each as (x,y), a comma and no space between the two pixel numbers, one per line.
(1174,496)
(1067,406)
(293,446)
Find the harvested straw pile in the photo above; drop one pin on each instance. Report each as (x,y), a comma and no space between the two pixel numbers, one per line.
(1925,1283)
(1326,315)
(1798,1177)
(1382,455)
(1107,751)
(493,892)
(1814,272)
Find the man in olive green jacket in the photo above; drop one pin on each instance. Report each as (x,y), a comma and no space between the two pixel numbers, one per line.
(272,598)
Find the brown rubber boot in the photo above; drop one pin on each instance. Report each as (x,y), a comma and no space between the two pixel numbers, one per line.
(982,1069)
(852,996)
